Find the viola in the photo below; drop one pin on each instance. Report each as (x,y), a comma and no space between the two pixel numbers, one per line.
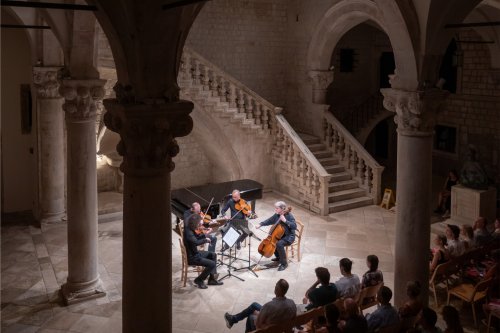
(268,245)
(246,208)
(206,218)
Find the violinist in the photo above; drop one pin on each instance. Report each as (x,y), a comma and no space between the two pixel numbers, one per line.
(286,219)
(202,231)
(239,209)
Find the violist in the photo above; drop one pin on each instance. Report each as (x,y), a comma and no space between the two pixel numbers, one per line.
(286,219)
(240,210)
(202,231)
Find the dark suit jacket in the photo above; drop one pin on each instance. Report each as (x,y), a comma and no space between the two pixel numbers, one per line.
(290,226)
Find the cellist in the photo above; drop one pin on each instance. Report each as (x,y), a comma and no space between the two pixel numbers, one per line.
(202,232)
(282,214)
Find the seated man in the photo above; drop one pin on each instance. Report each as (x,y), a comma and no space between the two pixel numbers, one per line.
(427,319)
(278,311)
(196,209)
(481,234)
(348,285)
(200,258)
(385,315)
(322,295)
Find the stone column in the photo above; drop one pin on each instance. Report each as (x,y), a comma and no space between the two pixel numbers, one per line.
(147,145)
(80,105)
(415,119)
(50,131)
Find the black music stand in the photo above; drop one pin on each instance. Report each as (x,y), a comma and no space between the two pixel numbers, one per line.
(230,237)
(248,234)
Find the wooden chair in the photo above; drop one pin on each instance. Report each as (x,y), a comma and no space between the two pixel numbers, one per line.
(368,297)
(185,265)
(295,246)
(493,313)
(302,319)
(441,275)
(471,294)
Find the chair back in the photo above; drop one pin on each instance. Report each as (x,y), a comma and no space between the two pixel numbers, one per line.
(181,228)
(482,286)
(443,271)
(306,317)
(183,251)
(369,293)
(299,230)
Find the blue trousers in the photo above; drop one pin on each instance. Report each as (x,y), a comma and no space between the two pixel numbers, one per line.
(248,314)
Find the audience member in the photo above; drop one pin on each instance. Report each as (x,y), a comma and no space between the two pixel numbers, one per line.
(322,295)
(467,236)
(332,315)
(444,197)
(385,315)
(454,246)
(413,305)
(348,285)
(452,319)
(439,253)
(427,320)
(373,276)
(481,234)
(277,311)
(354,322)
(496,233)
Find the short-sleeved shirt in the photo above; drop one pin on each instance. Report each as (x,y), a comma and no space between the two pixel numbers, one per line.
(348,286)
(322,296)
(455,247)
(372,278)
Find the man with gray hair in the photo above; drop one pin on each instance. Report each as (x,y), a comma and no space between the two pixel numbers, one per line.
(283,216)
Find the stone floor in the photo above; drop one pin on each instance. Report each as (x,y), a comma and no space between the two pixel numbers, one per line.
(34,265)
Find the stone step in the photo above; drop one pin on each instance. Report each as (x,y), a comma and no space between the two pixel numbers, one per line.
(316,147)
(329,161)
(341,176)
(322,154)
(309,139)
(336,168)
(349,204)
(342,185)
(346,195)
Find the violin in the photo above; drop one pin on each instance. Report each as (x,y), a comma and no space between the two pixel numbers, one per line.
(245,208)
(268,245)
(206,218)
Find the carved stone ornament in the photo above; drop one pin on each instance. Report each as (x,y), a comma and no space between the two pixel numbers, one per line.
(148,134)
(415,110)
(82,98)
(320,79)
(46,81)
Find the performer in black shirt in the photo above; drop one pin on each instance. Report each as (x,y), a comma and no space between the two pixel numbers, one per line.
(200,258)
(196,209)
(238,215)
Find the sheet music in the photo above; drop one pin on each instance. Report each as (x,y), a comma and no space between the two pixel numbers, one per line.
(231,236)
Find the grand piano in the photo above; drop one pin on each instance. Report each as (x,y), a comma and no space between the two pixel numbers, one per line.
(182,199)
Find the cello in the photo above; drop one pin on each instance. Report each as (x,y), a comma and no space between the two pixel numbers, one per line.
(268,245)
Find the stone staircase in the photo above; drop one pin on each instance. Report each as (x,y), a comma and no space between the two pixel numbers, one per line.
(343,191)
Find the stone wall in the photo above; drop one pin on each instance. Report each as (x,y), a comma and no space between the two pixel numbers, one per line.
(247,39)
(192,167)
(474,111)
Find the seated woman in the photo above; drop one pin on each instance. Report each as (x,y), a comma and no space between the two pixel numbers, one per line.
(467,237)
(455,246)
(439,253)
(373,276)
(452,319)
(444,197)
(413,305)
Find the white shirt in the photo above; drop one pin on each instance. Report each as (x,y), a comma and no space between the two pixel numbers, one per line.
(348,286)
(277,311)
(455,247)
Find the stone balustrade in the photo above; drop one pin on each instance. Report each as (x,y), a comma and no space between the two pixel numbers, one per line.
(222,87)
(353,156)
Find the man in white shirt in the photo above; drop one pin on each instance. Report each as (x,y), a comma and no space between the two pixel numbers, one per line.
(454,245)
(349,284)
(278,311)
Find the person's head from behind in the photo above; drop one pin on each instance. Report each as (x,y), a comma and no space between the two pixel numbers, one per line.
(440,240)
(323,275)
(452,231)
(427,318)
(372,262)
(480,223)
(345,266)
(193,221)
(332,315)
(384,295)
(351,307)
(413,289)
(466,231)
(451,317)
(281,288)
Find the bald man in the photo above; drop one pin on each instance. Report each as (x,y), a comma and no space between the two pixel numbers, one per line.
(235,215)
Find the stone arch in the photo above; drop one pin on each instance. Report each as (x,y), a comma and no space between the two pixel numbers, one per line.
(482,14)
(23,17)
(363,135)
(345,15)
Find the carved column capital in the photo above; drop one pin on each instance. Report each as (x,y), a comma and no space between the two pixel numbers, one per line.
(46,81)
(416,111)
(148,133)
(82,98)
(320,80)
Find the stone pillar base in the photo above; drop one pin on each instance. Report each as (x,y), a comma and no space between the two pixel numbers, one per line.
(53,218)
(72,293)
(468,204)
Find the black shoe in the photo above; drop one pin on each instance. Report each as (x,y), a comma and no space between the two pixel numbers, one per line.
(275,259)
(229,320)
(200,284)
(214,282)
(282,267)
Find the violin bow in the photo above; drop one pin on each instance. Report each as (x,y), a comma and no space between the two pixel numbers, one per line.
(210,204)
